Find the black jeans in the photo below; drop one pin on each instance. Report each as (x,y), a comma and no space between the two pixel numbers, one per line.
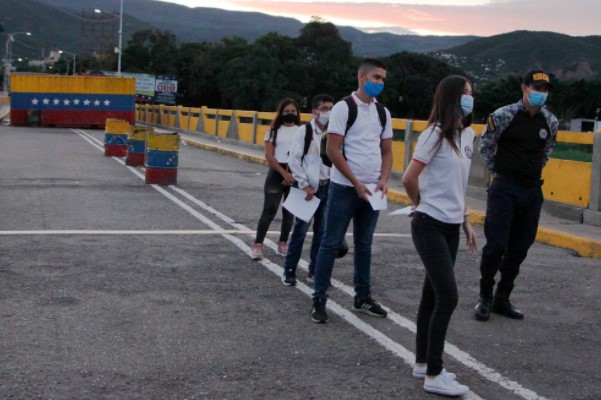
(274,190)
(512,215)
(437,243)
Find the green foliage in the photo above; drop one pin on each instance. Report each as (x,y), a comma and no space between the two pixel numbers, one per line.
(410,83)
(574,152)
(151,51)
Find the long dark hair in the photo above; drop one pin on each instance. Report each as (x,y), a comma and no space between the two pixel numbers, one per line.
(277,121)
(446,111)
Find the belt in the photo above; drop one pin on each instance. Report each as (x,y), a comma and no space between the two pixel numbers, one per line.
(519,181)
(323,182)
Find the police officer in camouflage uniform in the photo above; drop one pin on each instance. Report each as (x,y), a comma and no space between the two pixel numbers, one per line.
(516,145)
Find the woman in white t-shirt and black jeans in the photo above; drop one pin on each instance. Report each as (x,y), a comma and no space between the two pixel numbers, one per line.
(436,181)
(278,140)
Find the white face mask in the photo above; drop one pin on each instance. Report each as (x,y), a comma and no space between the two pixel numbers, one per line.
(324,117)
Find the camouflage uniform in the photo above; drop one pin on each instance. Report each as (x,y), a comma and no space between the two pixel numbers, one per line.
(515,146)
(499,120)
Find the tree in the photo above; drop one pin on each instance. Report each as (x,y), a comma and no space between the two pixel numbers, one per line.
(328,59)
(411,81)
(150,51)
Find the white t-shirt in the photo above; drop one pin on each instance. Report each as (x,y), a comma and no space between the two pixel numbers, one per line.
(283,141)
(309,169)
(443,182)
(362,141)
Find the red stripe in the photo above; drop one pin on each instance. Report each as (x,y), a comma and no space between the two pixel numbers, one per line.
(419,162)
(71,119)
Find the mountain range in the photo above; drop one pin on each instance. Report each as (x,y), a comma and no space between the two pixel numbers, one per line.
(56,23)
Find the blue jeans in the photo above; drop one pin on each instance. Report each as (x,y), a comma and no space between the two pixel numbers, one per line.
(344,204)
(437,243)
(299,232)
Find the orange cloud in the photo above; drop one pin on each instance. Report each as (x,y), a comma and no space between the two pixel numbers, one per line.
(578,17)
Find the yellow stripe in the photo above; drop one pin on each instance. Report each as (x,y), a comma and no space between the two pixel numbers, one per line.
(29,83)
(162,142)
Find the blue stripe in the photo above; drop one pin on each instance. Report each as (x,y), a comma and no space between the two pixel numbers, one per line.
(136,146)
(72,101)
(115,138)
(161,159)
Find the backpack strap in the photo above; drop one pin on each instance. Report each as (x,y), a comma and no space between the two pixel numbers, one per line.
(382,114)
(308,139)
(352,113)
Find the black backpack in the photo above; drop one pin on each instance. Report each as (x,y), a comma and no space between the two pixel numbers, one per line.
(352,117)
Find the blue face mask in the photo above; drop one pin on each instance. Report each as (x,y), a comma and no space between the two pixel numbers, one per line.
(373,89)
(467,104)
(537,99)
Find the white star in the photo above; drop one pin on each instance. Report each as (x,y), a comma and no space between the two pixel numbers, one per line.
(35,101)
(86,102)
(96,102)
(106,103)
(66,102)
(56,101)
(76,102)
(46,101)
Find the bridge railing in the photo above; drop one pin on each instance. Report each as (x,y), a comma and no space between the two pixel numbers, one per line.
(576,183)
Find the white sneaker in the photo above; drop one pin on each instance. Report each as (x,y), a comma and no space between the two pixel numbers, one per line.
(420,372)
(256,253)
(282,249)
(444,385)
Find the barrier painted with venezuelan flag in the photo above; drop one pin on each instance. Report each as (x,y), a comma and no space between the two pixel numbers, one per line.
(70,101)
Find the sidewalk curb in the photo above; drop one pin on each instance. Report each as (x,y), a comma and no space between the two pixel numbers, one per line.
(585,247)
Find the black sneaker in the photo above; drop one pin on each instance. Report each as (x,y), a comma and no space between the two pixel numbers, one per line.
(318,312)
(289,278)
(369,306)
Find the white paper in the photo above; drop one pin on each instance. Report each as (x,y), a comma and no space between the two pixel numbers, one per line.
(376,200)
(406,211)
(297,205)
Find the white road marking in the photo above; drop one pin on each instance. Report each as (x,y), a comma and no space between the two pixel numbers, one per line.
(406,355)
(154,232)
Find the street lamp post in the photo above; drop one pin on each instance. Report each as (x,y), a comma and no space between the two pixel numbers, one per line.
(74,59)
(7,60)
(120,45)
(120,38)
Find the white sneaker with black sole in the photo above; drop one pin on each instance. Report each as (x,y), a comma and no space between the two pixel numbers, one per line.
(444,385)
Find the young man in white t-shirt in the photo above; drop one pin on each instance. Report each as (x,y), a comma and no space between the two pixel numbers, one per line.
(313,177)
(360,155)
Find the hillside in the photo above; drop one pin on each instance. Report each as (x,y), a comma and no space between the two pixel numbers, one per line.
(567,57)
(51,28)
(211,24)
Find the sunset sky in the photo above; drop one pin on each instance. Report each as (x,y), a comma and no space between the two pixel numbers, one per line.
(433,17)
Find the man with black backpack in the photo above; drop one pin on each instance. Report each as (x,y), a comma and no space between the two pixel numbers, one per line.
(359,145)
(312,176)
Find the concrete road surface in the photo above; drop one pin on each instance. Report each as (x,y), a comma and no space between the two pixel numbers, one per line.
(114,289)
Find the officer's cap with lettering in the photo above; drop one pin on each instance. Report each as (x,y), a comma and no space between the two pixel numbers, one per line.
(537,78)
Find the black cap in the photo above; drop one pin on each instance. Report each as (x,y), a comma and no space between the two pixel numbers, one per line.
(537,78)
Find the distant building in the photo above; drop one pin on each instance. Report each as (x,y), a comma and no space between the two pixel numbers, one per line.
(53,57)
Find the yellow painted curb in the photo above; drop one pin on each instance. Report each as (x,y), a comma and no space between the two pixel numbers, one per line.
(585,247)
(241,156)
